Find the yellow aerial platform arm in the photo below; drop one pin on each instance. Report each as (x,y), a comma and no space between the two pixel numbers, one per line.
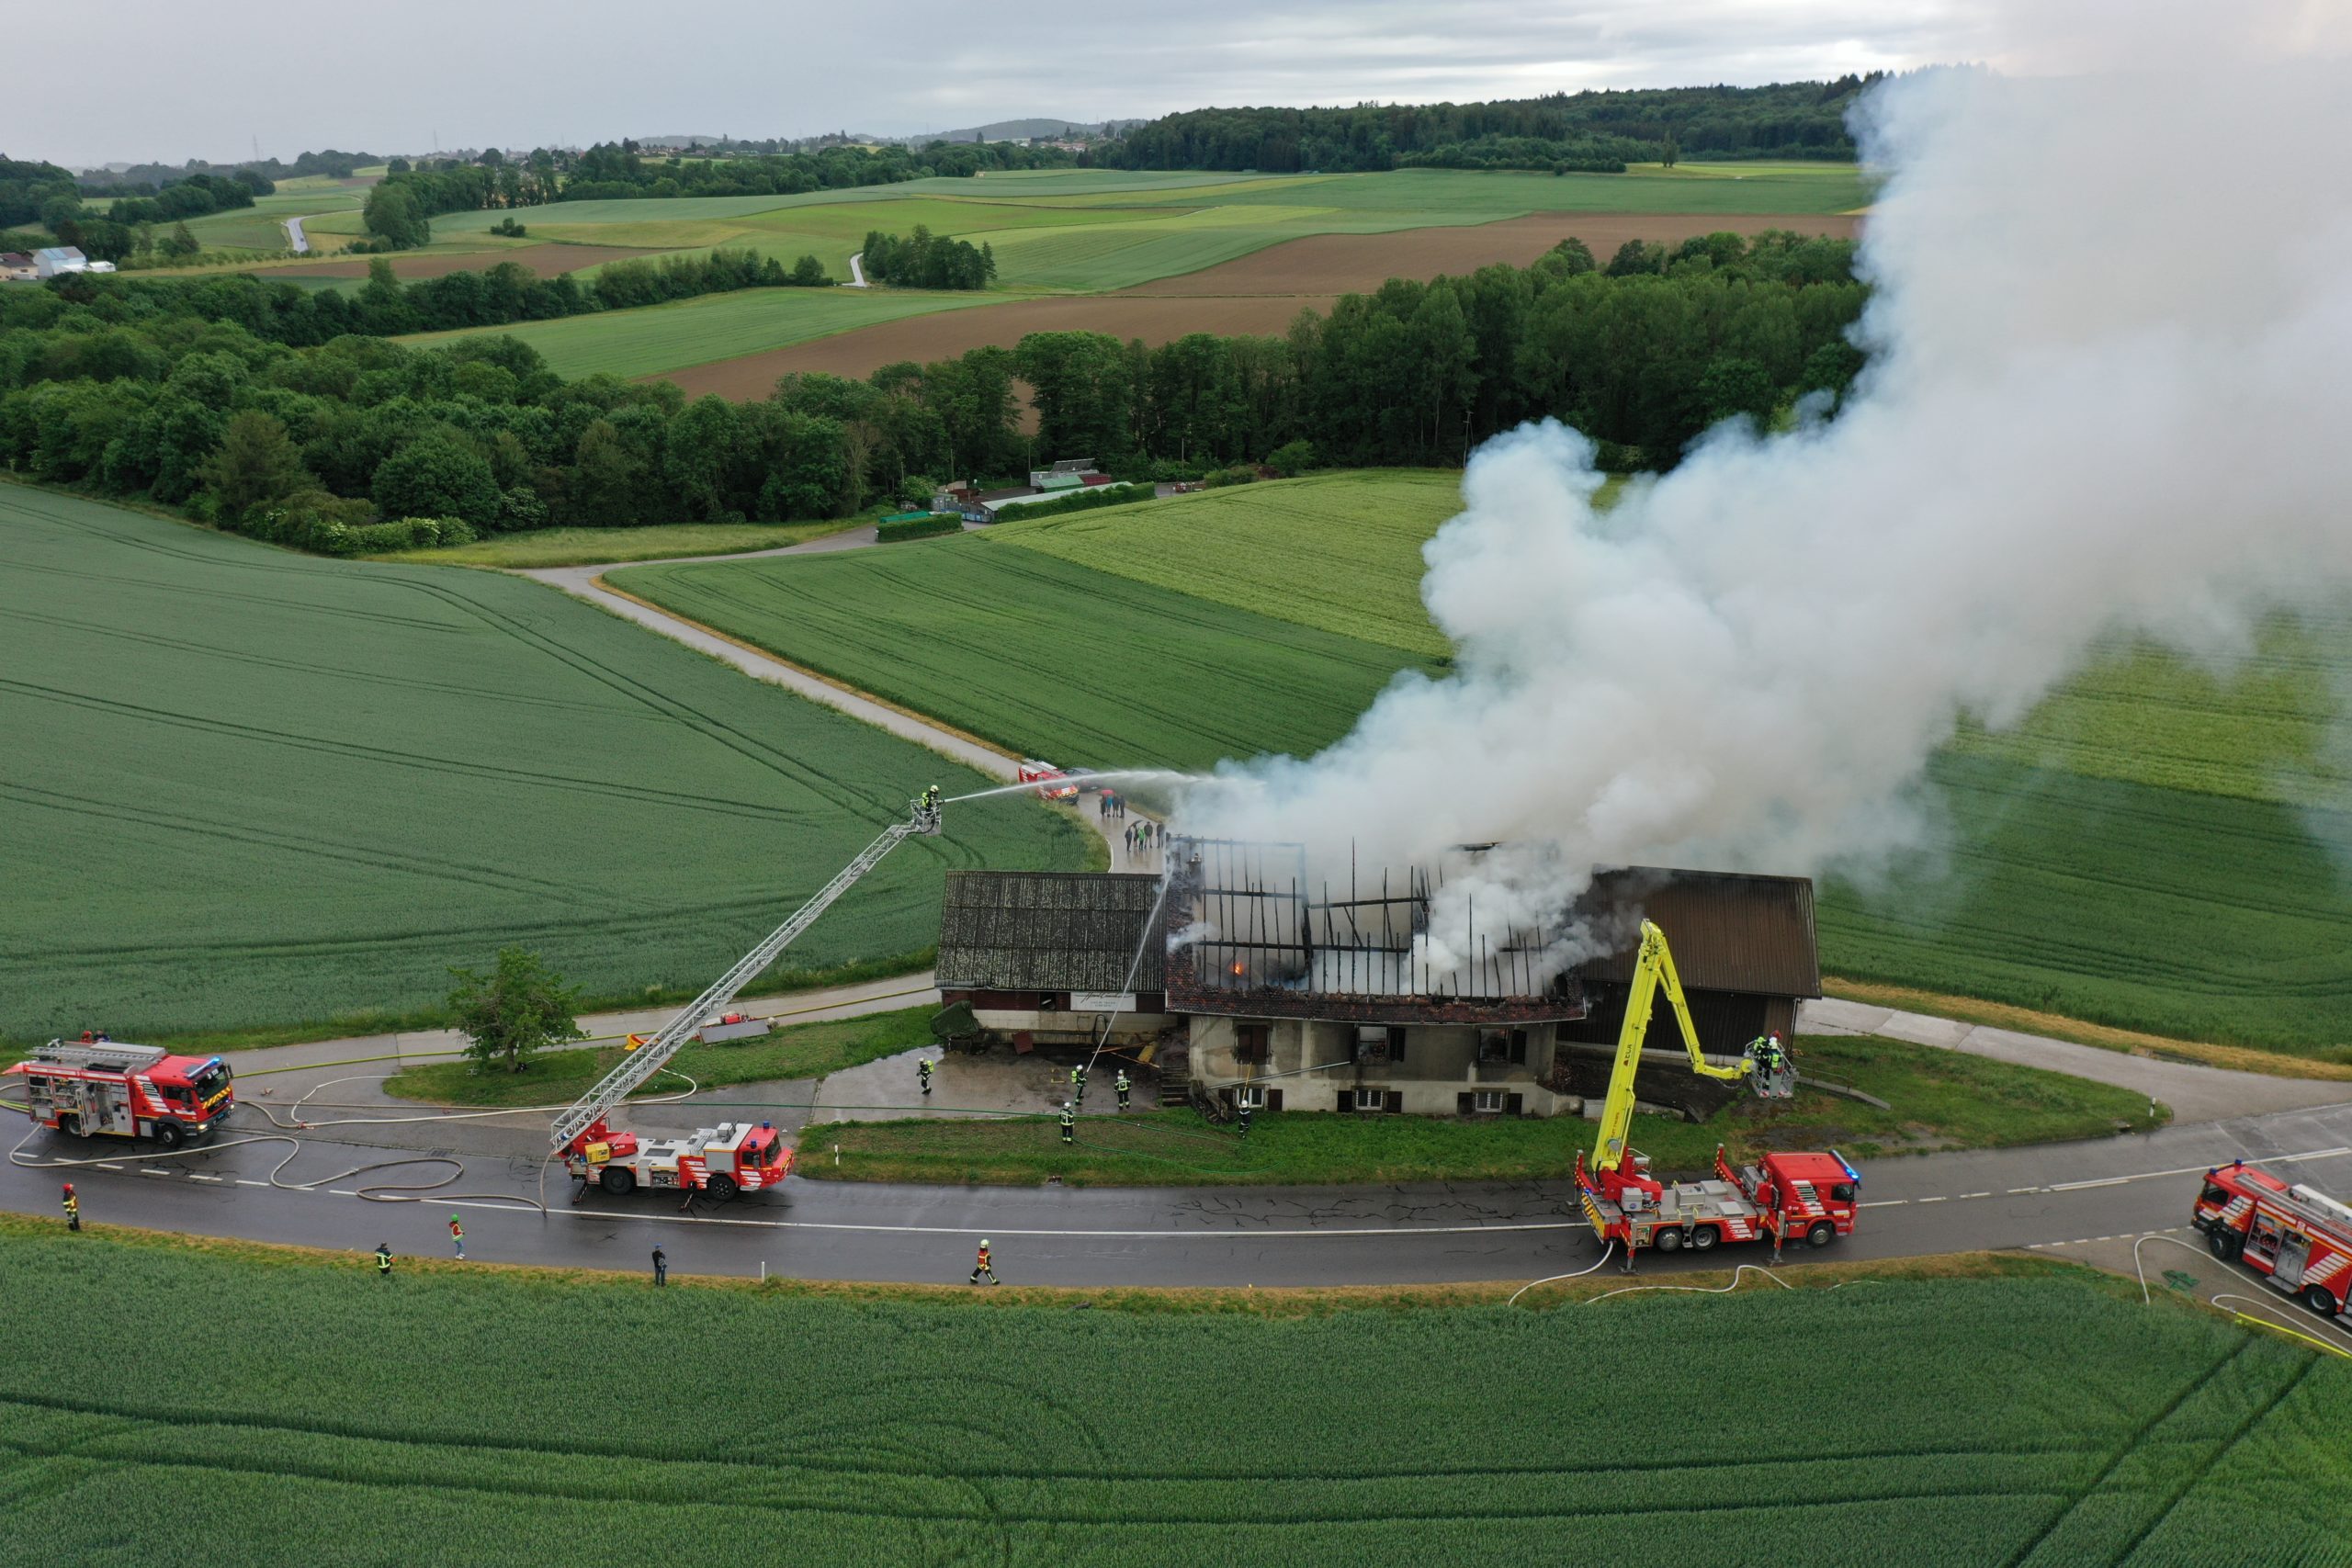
(1653,969)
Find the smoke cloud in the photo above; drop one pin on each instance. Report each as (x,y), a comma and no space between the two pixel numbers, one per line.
(2109,391)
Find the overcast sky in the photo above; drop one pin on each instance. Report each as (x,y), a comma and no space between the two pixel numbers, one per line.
(167,79)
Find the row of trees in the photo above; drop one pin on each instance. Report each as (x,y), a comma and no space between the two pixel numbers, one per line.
(191,198)
(925,260)
(1792,119)
(400,210)
(136,389)
(385,307)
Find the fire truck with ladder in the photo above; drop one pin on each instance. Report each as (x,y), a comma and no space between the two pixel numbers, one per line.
(734,1157)
(2295,1238)
(100,1086)
(1785,1197)
(1052,782)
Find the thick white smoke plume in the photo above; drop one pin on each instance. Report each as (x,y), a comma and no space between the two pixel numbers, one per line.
(2110,390)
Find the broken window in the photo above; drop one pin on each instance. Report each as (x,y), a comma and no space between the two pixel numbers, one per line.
(1251,1043)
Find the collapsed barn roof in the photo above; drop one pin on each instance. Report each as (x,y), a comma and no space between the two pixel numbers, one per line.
(1051,930)
(1730,932)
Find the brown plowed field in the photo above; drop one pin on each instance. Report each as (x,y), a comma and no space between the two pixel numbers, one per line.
(950,333)
(544,260)
(1357,264)
(1259,293)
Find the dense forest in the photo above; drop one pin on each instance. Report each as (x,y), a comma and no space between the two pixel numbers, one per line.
(1563,130)
(214,395)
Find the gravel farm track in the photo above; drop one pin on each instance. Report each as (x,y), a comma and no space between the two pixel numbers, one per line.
(1259,294)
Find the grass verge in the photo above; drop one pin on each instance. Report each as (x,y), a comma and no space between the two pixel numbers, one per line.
(2130,1042)
(1160,1301)
(802,1051)
(1942,1099)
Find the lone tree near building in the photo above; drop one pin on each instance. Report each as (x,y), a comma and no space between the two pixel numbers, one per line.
(521,1007)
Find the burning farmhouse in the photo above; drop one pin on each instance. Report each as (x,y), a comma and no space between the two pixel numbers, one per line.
(1245,985)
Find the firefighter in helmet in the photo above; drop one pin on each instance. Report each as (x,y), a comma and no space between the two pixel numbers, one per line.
(73,1208)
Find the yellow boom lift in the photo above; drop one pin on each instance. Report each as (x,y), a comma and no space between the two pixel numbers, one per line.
(1808,1195)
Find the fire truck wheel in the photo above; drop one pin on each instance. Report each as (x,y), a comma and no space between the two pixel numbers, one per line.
(1667,1241)
(617,1181)
(170,1134)
(1821,1233)
(1703,1237)
(69,1125)
(720,1186)
(2224,1245)
(2320,1300)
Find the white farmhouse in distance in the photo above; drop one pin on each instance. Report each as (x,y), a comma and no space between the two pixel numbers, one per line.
(58,260)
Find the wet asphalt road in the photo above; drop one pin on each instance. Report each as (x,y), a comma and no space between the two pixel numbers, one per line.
(2042,1197)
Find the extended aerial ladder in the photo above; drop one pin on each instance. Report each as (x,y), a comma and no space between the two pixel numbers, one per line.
(586,1142)
(1812,1196)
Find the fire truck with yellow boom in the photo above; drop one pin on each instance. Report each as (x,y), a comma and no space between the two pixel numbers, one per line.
(1783,1197)
(2296,1238)
(734,1157)
(97,1086)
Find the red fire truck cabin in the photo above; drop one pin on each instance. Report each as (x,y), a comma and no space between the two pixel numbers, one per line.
(1051,782)
(2296,1238)
(125,1091)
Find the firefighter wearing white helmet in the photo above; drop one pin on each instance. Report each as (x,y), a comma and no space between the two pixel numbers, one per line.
(981,1267)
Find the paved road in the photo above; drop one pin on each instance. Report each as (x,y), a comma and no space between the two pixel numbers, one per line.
(858,272)
(2195,1092)
(292,1069)
(2050,1197)
(297,241)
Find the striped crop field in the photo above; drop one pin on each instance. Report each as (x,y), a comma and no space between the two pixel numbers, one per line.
(1340,552)
(1099,231)
(1036,653)
(2159,846)
(243,788)
(1962,1422)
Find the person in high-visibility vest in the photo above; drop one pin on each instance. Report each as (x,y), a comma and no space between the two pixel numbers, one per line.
(1078,1083)
(383,1261)
(981,1267)
(1121,1084)
(73,1208)
(1246,1109)
(923,1072)
(1069,1122)
(457,1236)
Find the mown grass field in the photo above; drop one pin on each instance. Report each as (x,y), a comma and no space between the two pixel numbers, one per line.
(2037,1421)
(716,326)
(1942,1099)
(2158,847)
(245,786)
(651,541)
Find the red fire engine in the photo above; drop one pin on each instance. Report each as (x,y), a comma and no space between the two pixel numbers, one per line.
(1051,782)
(2296,1238)
(1788,1197)
(731,1157)
(129,1091)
